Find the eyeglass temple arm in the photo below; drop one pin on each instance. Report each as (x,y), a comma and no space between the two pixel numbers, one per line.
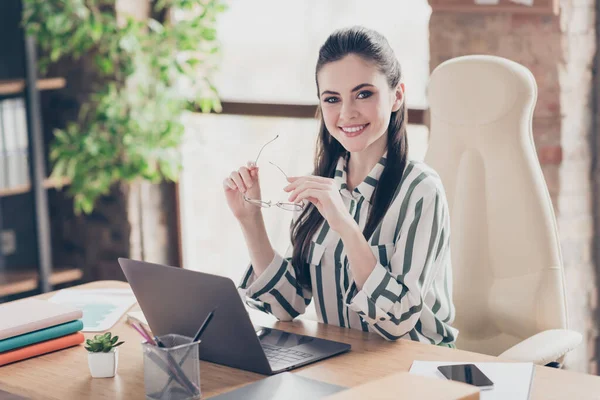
(261,149)
(279,169)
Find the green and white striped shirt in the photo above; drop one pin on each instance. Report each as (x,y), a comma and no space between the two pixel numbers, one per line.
(408,294)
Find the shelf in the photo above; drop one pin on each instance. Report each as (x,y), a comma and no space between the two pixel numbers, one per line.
(18,85)
(15,282)
(20,189)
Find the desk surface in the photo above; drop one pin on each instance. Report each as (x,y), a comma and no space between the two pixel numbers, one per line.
(64,374)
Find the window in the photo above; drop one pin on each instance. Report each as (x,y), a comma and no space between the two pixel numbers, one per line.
(270,47)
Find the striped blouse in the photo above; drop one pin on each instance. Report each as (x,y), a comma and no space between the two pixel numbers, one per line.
(409,292)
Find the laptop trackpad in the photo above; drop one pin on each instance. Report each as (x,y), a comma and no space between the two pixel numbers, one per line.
(281,338)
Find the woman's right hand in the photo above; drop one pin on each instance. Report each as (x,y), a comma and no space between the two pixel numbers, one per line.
(242,182)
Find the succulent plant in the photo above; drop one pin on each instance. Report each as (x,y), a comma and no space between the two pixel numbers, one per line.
(102,343)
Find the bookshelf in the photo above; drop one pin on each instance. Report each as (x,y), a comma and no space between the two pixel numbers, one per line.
(48,183)
(17,86)
(16,282)
(24,206)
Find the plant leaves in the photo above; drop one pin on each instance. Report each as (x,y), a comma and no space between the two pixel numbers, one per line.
(96,347)
(130,126)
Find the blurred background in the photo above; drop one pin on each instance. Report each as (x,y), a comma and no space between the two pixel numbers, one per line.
(120,119)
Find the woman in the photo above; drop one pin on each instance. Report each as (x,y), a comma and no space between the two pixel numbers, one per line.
(371,243)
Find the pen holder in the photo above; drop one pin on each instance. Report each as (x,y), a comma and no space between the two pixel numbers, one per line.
(173,371)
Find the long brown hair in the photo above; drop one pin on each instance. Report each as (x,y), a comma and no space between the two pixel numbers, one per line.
(371,46)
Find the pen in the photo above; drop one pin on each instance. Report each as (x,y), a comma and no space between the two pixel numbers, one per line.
(147,334)
(142,333)
(195,339)
(204,325)
(158,342)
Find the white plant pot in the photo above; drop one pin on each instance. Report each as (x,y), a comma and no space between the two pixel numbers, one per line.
(103,365)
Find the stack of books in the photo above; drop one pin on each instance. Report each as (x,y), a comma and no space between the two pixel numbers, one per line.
(32,327)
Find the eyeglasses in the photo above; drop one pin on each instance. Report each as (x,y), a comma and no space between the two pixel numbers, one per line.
(266,204)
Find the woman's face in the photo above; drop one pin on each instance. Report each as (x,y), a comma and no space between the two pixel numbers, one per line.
(357,102)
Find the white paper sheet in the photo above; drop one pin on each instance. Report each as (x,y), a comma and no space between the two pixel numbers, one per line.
(102,308)
(511,380)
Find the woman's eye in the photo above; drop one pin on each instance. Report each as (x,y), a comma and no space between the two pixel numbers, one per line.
(364,94)
(331,100)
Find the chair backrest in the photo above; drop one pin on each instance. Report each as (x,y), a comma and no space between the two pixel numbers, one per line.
(507,266)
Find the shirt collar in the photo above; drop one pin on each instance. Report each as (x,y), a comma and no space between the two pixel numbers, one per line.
(365,188)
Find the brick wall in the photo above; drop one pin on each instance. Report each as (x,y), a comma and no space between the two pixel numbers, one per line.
(559,51)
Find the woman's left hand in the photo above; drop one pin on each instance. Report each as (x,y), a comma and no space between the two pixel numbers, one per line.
(325,195)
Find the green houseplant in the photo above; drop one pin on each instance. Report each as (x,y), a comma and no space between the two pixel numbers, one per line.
(103,356)
(150,70)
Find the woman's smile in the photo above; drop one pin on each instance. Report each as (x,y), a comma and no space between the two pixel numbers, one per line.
(353,130)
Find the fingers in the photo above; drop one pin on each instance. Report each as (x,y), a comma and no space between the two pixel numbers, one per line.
(228,184)
(253,169)
(306,186)
(239,182)
(298,180)
(242,179)
(246,178)
(312,195)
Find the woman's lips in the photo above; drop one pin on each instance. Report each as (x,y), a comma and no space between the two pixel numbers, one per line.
(354,130)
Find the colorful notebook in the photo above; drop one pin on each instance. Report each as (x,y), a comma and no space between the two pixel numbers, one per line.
(41,348)
(40,336)
(29,315)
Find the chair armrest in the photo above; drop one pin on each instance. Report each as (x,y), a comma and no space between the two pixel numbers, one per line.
(544,347)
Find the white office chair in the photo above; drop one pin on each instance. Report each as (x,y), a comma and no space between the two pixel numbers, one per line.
(508,277)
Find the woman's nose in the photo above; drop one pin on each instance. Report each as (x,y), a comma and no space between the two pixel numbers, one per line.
(348,111)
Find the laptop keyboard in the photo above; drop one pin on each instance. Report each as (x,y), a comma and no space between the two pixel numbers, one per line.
(280,355)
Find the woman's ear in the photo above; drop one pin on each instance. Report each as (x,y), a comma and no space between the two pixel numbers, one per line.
(398,97)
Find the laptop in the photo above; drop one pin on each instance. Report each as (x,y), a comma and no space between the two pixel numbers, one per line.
(177,300)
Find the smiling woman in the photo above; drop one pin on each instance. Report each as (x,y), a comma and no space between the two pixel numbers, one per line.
(276,94)
(371,244)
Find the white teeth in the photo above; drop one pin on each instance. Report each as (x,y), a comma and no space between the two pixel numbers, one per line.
(354,129)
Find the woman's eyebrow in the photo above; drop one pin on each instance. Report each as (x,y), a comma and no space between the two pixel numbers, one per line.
(362,85)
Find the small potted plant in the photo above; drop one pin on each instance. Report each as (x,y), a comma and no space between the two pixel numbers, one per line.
(103,355)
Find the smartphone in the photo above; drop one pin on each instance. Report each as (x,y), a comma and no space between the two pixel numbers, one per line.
(467,373)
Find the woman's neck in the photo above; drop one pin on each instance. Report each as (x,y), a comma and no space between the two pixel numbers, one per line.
(361,163)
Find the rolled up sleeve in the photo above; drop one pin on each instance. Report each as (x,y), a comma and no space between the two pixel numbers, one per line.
(276,290)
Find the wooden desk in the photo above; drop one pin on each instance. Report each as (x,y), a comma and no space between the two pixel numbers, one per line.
(64,374)
(412,387)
